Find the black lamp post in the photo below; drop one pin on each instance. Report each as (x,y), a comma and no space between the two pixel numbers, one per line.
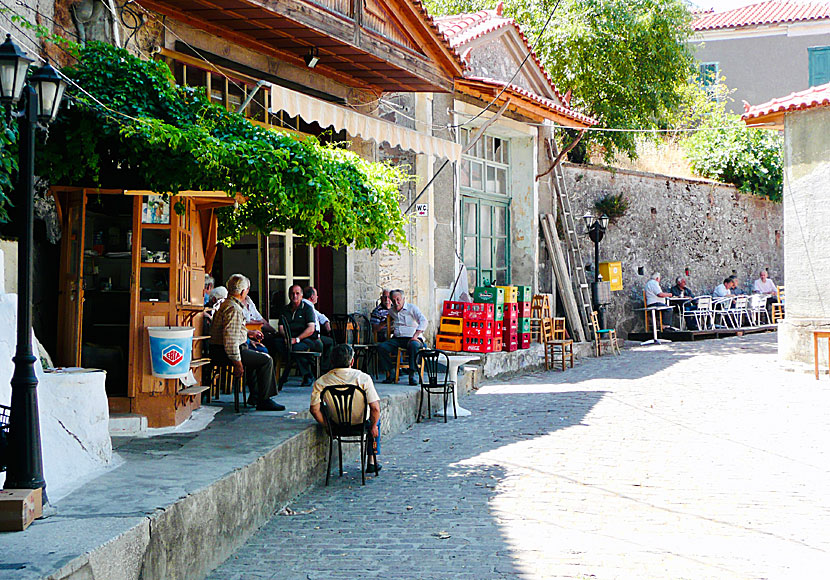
(596,227)
(38,101)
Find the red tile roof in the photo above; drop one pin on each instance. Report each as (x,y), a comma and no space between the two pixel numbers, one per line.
(442,38)
(514,90)
(772,12)
(810,99)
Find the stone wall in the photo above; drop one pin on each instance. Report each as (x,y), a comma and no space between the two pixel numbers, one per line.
(674,224)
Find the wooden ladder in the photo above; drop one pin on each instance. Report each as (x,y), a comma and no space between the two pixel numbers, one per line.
(576,266)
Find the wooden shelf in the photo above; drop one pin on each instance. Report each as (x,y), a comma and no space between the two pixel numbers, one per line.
(198,338)
(199,362)
(194,390)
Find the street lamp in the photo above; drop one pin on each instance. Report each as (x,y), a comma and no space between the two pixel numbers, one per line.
(38,101)
(596,227)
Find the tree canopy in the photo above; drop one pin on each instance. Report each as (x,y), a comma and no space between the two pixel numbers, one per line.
(624,60)
(132,128)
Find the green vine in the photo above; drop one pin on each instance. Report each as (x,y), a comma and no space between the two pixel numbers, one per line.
(134,128)
(614,205)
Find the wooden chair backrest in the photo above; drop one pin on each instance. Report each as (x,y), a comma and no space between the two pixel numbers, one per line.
(645,312)
(547,330)
(559,332)
(781,294)
(595,324)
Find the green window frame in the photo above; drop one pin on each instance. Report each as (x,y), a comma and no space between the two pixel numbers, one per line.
(485,210)
(819,64)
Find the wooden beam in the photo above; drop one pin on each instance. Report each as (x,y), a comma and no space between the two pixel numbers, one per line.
(563,279)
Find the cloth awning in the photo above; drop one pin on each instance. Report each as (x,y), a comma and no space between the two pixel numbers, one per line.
(313,110)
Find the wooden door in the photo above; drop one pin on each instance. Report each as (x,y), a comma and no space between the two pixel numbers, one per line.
(71,290)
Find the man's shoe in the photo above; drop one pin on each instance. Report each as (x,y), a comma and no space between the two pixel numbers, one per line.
(374,468)
(269,405)
(413,379)
(308,380)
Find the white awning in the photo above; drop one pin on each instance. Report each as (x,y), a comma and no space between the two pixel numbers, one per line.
(325,114)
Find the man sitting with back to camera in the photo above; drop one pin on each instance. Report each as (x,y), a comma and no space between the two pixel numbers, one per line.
(342,373)
(408,324)
(228,345)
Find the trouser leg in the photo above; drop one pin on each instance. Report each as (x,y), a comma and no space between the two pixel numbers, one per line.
(328,344)
(386,352)
(413,347)
(305,345)
(259,368)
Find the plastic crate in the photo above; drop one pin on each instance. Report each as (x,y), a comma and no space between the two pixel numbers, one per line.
(499,326)
(524,325)
(523,294)
(454,309)
(524,340)
(452,342)
(511,324)
(497,340)
(498,311)
(509,345)
(511,310)
(510,334)
(473,311)
(509,294)
(450,325)
(479,328)
(489,295)
(473,344)
(524,310)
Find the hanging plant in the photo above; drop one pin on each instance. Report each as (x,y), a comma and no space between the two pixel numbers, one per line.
(133,128)
(614,205)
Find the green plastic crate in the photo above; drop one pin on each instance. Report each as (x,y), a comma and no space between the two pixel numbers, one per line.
(524,325)
(489,295)
(499,312)
(523,294)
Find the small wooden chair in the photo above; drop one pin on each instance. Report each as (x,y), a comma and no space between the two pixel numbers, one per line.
(563,347)
(539,310)
(402,355)
(223,381)
(603,335)
(778,307)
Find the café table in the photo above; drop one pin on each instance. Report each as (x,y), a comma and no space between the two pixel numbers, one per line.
(654,308)
(455,361)
(817,334)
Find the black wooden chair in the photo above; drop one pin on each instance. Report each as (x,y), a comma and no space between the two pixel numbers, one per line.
(5,413)
(292,356)
(354,330)
(341,403)
(429,362)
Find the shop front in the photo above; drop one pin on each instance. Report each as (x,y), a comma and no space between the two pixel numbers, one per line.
(131,260)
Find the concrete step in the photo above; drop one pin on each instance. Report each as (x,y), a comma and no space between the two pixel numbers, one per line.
(127,424)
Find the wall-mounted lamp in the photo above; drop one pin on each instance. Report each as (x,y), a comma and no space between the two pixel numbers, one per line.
(312,58)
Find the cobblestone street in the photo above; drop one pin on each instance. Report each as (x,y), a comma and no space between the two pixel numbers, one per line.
(687,460)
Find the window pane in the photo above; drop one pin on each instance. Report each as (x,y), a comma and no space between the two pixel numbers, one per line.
(302,263)
(488,142)
(505,152)
(469,252)
(276,255)
(486,253)
(487,277)
(471,277)
(498,150)
(501,277)
(501,256)
(465,173)
(499,218)
(154,285)
(486,223)
(476,177)
(278,295)
(470,218)
(501,180)
(478,149)
(491,180)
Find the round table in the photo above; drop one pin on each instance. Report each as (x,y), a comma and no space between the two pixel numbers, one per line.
(455,361)
(653,309)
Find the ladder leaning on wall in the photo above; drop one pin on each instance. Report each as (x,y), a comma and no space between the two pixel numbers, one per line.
(575,264)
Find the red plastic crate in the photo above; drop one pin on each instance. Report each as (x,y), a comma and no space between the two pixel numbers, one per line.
(454,309)
(509,345)
(524,309)
(479,328)
(511,324)
(473,344)
(474,311)
(511,310)
(524,340)
(499,327)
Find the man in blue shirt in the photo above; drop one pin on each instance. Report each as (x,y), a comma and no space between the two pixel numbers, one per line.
(407,324)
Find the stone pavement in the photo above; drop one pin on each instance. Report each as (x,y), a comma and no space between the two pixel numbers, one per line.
(688,460)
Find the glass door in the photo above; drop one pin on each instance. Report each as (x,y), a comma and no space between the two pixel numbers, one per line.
(71,279)
(289,261)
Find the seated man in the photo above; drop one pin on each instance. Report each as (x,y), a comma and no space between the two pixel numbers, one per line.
(341,373)
(228,344)
(209,282)
(736,289)
(681,290)
(765,285)
(322,322)
(725,289)
(378,316)
(408,323)
(656,297)
(302,322)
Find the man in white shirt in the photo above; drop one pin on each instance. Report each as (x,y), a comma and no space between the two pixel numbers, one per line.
(408,324)
(765,285)
(656,296)
(342,358)
(724,289)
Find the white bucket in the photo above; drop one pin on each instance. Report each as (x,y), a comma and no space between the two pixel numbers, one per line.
(171,349)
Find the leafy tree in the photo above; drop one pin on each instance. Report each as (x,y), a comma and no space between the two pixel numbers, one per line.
(624,60)
(133,128)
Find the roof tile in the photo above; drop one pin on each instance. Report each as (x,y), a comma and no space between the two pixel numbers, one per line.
(810,99)
(771,12)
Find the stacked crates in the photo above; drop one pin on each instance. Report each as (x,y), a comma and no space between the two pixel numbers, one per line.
(510,328)
(523,298)
(480,327)
(451,332)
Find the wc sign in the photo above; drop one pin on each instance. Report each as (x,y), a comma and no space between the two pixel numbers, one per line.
(422,209)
